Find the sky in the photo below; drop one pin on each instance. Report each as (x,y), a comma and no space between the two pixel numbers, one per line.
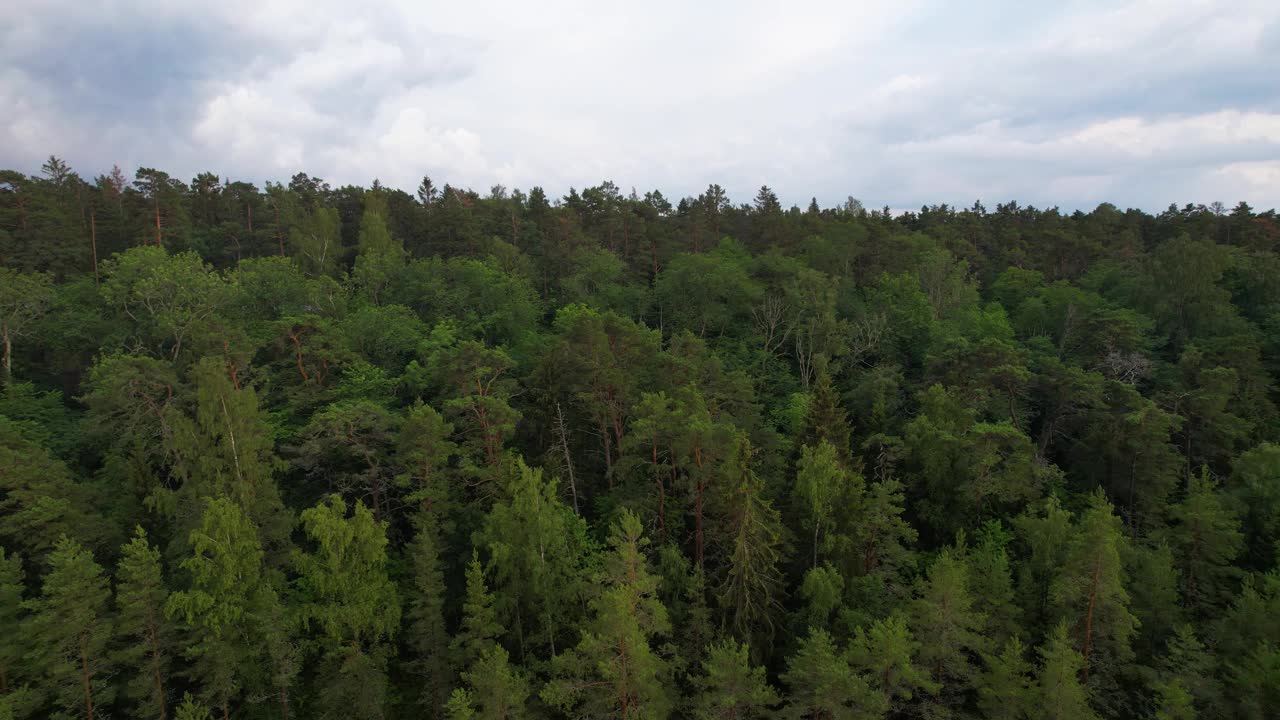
(899,104)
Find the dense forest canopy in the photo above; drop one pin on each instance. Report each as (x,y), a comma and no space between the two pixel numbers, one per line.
(313,452)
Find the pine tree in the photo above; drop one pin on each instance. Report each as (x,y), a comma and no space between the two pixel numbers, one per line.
(427,637)
(1060,694)
(1187,663)
(991,579)
(480,629)
(495,690)
(70,632)
(615,671)
(1005,692)
(1173,702)
(536,548)
(884,653)
(1206,536)
(425,451)
(823,685)
(949,626)
(14,648)
(730,688)
(147,637)
(1090,592)
(191,709)
(1046,535)
(349,598)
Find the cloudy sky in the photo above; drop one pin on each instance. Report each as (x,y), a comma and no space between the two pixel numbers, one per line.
(899,104)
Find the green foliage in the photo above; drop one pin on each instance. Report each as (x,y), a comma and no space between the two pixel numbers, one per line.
(881,456)
(346,593)
(1060,693)
(730,687)
(615,671)
(69,632)
(146,636)
(823,684)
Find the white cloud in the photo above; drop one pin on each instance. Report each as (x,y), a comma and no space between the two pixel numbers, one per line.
(1140,102)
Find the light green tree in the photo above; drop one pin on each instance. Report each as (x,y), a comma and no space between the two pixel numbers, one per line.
(730,687)
(615,670)
(346,595)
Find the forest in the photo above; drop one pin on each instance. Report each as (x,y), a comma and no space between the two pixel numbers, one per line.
(302,451)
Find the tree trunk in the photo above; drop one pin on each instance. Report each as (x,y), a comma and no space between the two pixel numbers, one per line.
(8,359)
(1088,620)
(84,678)
(156,677)
(93,242)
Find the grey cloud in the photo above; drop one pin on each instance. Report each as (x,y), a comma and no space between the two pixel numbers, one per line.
(925,102)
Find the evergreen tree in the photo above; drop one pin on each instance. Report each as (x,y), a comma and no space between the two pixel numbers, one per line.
(425,631)
(1091,595)
(827,421)
(885,654)
(615,671)
(190,709)
(537,550)
(1061,696)
(949,625)
(347,595)
(12,668)
(495,690)
(751,540)
(480,629)
(70,633)
(1005,691)
(823,685)
(1206,537)
(730,688)
(147,638)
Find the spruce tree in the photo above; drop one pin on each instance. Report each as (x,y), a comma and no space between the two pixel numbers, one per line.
(147,636)
(827,421)
(70,632)
(480,629)
(12,650)
(426,634)
(750,548)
